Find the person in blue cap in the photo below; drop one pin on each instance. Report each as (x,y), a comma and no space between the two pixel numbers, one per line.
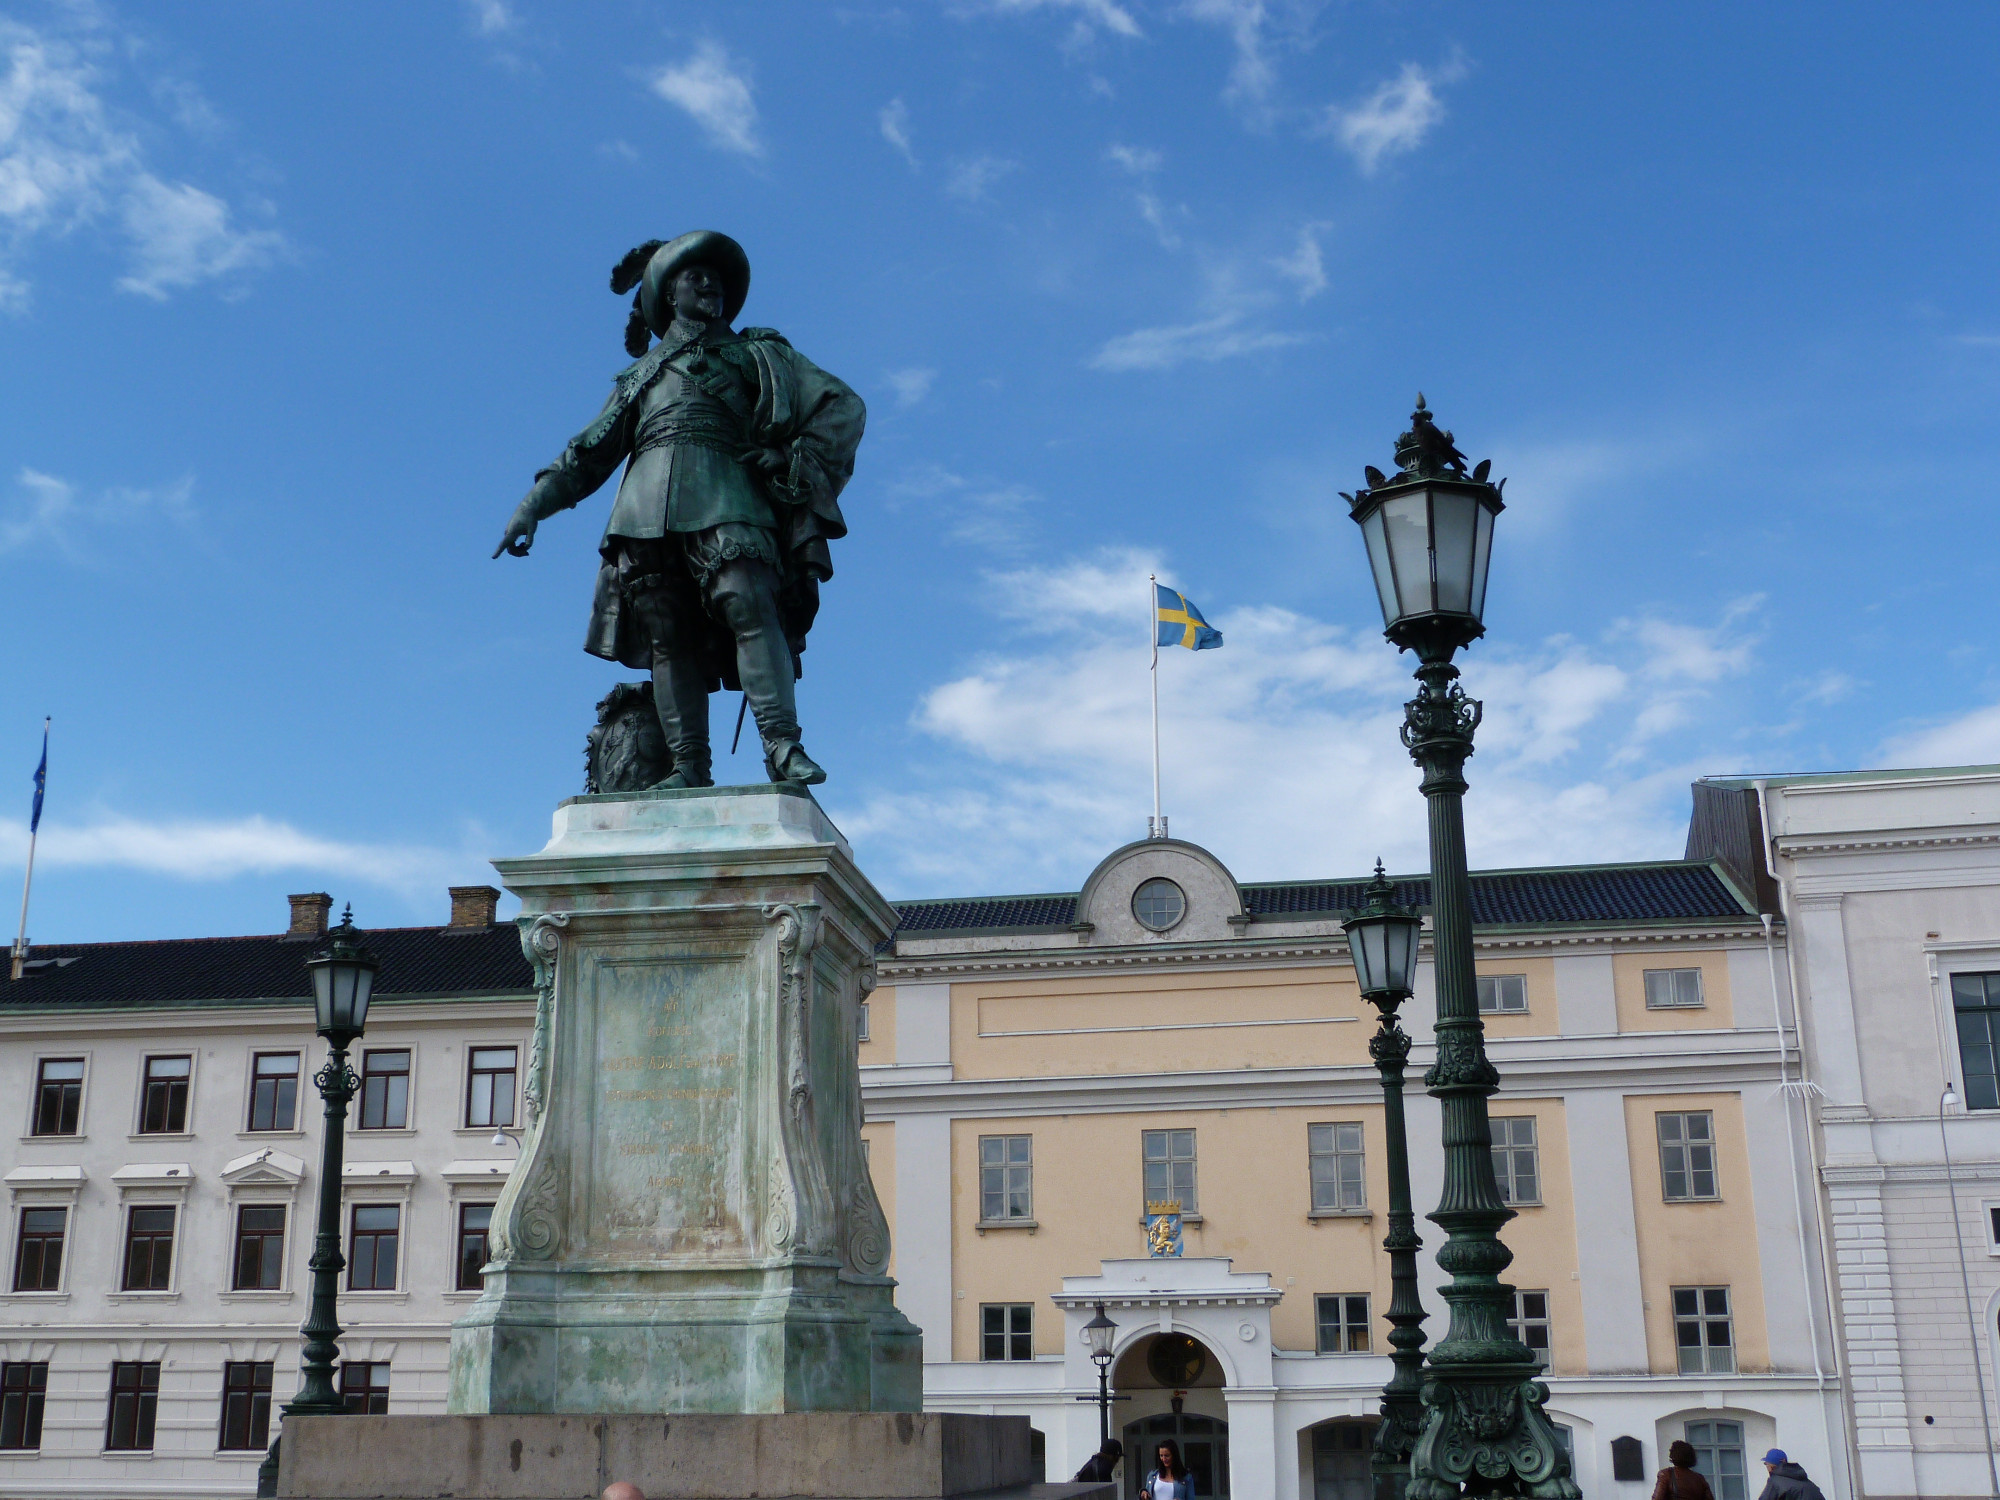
(1788,1481)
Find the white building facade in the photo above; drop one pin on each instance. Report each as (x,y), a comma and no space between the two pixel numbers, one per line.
(1890,885)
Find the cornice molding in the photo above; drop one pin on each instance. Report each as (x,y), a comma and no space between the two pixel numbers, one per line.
(1813,846)
(1317,950)
(289,1016)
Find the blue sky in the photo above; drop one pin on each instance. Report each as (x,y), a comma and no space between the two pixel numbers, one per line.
(295,299)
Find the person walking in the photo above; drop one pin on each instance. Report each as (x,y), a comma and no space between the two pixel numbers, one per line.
(1679,1480)
(1169,1480)
(1102,1464)
(1788,1481)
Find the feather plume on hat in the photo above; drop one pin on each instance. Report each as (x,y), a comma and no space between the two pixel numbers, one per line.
(627,274)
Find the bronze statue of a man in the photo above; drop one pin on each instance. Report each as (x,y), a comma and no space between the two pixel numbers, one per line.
(736,449)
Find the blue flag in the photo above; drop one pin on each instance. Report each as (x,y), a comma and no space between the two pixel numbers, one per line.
(1180,623)
(41,782)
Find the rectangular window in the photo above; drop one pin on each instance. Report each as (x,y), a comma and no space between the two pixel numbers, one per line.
(861,1022)
(371,1252)
(475,1221)
(1343,1323)
(385,1090)
(1007,1330)
(1334,1162)
(246,1406)
(149,1251)
(1529,1322)
(1169,1157)
(1702,1330)
(58,1095)
(1673,989)
(1006,1177)
(24,1387)
(38,1253)
(364,1387)
(1517,1161)
(489,1095)
(1975,1004)
(1503,994)
(1687,1157)
(274,1091)
(1718,1457)
(135,1396)
(163,1106)
(260,1247)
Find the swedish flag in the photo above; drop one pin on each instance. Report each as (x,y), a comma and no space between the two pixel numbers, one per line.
(1180,623)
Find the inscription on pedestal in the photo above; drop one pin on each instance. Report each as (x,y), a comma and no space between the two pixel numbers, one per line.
(666,1169)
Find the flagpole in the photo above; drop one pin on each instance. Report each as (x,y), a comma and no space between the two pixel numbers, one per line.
(28,881)
(1158,827)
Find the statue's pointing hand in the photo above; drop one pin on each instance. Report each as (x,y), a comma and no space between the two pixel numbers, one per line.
(520,533)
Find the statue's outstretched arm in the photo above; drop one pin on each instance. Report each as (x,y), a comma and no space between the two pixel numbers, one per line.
(589,458)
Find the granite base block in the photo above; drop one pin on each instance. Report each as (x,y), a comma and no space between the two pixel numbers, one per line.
(776,1456)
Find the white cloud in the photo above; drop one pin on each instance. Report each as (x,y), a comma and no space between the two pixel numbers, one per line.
(1210,339)
(1304,267)
(46,509)
(987,513)
(1396,117)
(1252,78)
(1972,739)
(1140,161)
(1143,162)
(895,122)
(911,385)
(970,180)
(1088,14)
(182,236)
(223,849)
(1280,750)
(716,92)
(492,17)
(63,164)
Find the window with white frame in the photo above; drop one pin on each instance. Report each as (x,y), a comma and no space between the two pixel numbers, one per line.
(1503,994)
(1343,1322)
(1718,1457)
(274,1091)
(1975,1004)
(1704,1332)
(58,1096)
(489,1089)
(1006,1330)
(260,1248)
(1169,1167)
(163,1095)
(149,1248)
(373,1244)
(38,1249)
(861,1022)
(1673,989)
(1006,1177)
(385,1089)
(1335,1167)
(1528,1321)
(1517,1159)
(1687,1156)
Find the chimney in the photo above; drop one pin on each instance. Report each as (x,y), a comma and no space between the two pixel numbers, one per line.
(473,905)
(309,914)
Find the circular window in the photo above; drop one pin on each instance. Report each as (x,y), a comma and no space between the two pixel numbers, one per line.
(1175,1360)
(1158,904)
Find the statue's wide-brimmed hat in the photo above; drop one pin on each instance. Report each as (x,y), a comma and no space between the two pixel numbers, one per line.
(704,247)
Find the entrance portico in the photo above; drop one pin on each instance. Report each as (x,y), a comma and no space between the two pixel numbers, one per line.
(1226,1313)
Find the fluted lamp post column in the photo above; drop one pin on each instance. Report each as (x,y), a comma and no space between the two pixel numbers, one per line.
(343,978)
(1429,533)
(1383,940)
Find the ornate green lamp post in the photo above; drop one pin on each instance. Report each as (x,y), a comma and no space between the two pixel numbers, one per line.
(1429,531)
(1383,939)
(343,977)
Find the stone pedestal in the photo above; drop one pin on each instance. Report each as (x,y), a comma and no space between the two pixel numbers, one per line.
(691,1226)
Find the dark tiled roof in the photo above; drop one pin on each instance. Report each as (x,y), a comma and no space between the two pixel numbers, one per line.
(415,962)
(1665,892)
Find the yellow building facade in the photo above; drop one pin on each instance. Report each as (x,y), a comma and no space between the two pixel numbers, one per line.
(1038,1068)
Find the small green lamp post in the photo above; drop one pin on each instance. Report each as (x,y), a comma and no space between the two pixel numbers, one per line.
(1429,532)
(1383,939)
(343,978)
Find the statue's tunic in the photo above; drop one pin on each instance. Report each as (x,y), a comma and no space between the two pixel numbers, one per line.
(683,415)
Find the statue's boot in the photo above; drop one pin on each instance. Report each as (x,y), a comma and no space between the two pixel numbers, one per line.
(745,594)
(680,696)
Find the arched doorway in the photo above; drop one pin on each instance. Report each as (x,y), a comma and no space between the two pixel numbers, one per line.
(1341,1450)
(1174,1387)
